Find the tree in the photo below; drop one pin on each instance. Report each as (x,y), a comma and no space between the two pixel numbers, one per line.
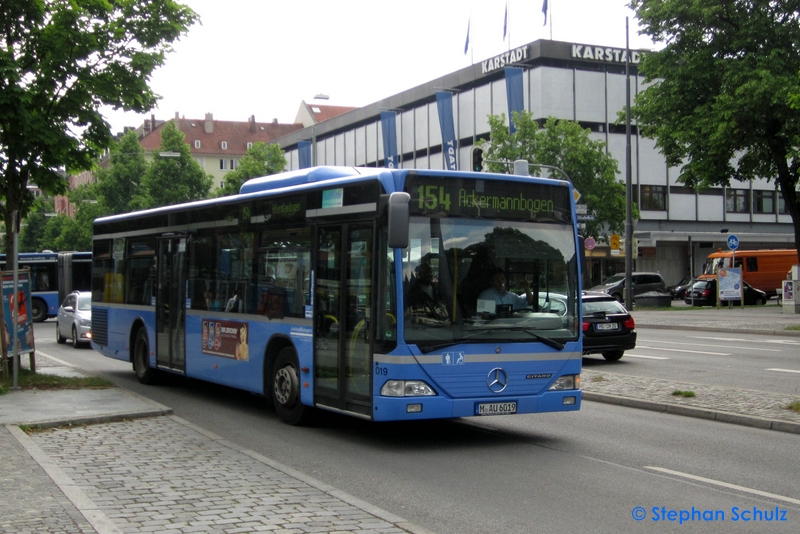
(171,180)
(31,234)
(261,160)
(60,62)
(717,104)
(566,145)
(119,185)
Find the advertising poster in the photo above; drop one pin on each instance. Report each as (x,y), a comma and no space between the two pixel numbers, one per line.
(228,339)
(22,298)
(730,284)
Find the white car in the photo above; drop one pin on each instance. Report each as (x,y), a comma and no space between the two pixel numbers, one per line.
(74,320)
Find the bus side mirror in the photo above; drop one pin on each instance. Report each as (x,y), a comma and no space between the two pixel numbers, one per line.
(398,219)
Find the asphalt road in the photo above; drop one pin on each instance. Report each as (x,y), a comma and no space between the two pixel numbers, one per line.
(586,471)
(744,361)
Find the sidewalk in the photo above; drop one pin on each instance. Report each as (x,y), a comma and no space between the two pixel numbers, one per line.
(145,470)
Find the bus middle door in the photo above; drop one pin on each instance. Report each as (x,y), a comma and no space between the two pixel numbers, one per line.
(343,294)
(171,303)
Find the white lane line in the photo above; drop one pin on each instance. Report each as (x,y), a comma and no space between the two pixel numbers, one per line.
(715,346)
(682,350)
(724,484)
(783,370)
(758,341)
(629,355)
(62,362)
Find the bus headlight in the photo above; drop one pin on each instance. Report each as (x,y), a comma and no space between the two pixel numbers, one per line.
(566,382)
(407,388)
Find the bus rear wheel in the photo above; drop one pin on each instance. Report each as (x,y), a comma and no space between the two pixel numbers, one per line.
(141,358)
(38,310)
(286,389)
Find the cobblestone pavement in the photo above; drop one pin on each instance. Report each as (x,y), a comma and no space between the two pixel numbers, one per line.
(165,475)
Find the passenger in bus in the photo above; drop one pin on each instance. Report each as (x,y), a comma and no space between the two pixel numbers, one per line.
(234,303)
(423,296)
(498,293)
(211,301)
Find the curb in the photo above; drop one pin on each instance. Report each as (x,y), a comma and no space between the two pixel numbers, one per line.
(691,411)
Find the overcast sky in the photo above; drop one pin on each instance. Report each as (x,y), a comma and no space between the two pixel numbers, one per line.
(263,57)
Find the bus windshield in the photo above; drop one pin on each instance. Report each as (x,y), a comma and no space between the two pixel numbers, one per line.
(448,270)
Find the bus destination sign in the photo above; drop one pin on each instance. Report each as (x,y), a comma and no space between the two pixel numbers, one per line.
(481,198)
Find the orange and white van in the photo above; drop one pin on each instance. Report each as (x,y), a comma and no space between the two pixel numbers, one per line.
(762,269)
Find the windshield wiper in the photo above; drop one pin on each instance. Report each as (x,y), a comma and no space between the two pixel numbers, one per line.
(552,343)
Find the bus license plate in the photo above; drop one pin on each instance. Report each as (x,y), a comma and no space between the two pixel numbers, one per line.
(496,408)
(606,326)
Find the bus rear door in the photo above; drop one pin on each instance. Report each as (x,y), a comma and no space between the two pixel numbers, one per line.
(171,303)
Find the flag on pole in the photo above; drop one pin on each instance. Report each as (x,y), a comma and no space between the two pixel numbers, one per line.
(544,10)
(466,45)
(505,23)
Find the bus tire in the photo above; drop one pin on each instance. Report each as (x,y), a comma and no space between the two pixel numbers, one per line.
(141,358)
(286,389)
(38,310)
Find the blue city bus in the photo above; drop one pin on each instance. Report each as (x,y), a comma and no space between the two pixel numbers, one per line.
(53,276)
(297,289)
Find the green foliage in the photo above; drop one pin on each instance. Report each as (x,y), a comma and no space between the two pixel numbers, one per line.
(718,103)
(119,185)
(60,62)
(563,144)
(172,180)
(32,231)
(261,160)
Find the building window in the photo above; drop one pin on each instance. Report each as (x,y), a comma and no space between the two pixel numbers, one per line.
(223,164)
(763,201)
(781,204)
(224,145)
(653,197)
(249,145)
(197,143)
(737,200)
(233,164)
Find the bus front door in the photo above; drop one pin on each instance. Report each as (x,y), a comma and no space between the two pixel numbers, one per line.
(171,303)
(343,292)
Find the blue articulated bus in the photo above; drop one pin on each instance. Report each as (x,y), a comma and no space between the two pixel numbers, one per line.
(53,276)
(363,291)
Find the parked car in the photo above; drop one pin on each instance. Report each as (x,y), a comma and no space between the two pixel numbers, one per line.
(642,283)
(704,293)
(678,291)
(74,319)
(608,328)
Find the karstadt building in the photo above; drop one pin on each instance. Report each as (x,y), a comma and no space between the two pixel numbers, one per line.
(435,125)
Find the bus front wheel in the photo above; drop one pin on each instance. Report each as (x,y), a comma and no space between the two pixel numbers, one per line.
(141,358)
(38,310)
(286,389)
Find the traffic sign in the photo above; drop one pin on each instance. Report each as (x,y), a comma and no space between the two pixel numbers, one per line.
(589,243)
(614,241)
(733,242)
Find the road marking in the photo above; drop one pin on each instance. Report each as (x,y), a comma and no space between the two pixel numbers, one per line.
(715,345)
(784,370)
(759,341)
(629,355)
(62,362)
(682,350)
(724,484)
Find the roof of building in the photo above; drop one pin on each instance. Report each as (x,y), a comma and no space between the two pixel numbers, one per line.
(310,114)
(216,134)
